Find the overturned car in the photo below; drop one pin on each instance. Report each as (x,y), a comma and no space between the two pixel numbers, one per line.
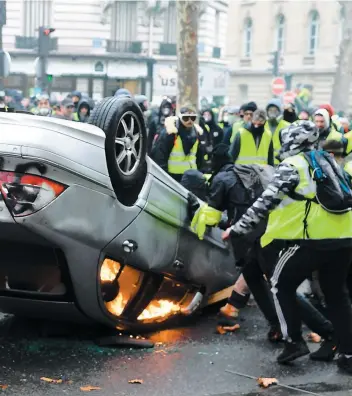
(93,230)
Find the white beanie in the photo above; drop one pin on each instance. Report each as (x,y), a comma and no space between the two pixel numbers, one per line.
(324,113)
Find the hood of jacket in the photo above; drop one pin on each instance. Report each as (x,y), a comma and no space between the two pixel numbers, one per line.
(84,103)
(275,102)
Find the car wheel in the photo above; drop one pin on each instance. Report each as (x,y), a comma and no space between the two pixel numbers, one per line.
(125,145)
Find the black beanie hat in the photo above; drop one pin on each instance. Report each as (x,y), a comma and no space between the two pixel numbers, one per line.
(251,106)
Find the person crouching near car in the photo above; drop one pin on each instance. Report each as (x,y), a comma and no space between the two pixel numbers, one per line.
(179,147)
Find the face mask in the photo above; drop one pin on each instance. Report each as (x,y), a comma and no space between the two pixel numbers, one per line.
(273,114)
(231,119)
(166,111)
(226,118)
(207,118)
(44,111)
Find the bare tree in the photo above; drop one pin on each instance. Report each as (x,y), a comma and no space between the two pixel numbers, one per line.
(188,12)
(343,75)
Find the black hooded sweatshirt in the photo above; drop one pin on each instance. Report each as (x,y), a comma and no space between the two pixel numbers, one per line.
(156,124)
(83,103)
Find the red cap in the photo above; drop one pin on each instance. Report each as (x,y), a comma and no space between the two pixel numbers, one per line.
(328,108)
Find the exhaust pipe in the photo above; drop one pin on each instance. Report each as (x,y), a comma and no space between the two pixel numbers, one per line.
(193,305)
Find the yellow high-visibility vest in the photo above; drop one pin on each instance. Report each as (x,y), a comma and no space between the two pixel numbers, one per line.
(178,162)
(276,137)
(286,221)
(249,153)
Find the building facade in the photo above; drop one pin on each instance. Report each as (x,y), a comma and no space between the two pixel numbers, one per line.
(307,34)
(99,46)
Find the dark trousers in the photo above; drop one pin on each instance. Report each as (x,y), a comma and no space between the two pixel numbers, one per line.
(294,265)
(264,264)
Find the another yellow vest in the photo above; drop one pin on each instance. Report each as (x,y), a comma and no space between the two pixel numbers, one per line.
(286,221)
(348,168)
(249,154)
(276,137)
(235,129)
(178,162)
(348,136)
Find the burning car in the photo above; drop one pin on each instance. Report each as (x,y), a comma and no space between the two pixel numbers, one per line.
(93,230)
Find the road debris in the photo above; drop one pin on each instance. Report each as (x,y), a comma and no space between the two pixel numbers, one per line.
(266,382)
(89,388)
(314,337)
(3,387)
(136,381)
(51,380)
(227,329)
(277,384)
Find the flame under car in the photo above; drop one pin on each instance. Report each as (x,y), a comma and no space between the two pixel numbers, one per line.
(92,230)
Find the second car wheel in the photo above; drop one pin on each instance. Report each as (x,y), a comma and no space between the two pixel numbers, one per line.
(125,145)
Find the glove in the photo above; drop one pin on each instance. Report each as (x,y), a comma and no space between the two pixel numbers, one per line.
(205,216)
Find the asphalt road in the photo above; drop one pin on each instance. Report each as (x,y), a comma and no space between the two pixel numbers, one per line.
(187,361)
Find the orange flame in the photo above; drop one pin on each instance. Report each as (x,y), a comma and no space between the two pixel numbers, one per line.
(159,309)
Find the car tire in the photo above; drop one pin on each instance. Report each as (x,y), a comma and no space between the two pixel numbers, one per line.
(125,145)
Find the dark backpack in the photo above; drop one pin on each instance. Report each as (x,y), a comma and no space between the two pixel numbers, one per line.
(333,190)
(254,179)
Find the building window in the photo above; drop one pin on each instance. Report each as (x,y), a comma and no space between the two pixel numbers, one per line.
(313,32)
(36,13)
(217,29)
(170,21)
(124,16)
(243,91)
(248,30)
(280,33)
(342,23)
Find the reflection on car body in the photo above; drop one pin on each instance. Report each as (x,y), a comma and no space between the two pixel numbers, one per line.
(92,230)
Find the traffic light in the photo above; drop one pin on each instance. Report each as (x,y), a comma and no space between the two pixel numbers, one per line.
(49,77)
(275,61)
(44,41)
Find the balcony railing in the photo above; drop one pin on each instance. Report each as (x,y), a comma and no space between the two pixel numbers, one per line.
(168,49)
(127,47)
(31,43)
(216,52)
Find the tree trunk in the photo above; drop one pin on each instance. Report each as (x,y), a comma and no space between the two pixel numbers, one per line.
(343,76)
(187,52)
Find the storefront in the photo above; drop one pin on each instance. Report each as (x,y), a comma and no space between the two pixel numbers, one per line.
(96,76)
(213,79)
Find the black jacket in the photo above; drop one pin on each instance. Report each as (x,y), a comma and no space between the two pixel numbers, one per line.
(165,144)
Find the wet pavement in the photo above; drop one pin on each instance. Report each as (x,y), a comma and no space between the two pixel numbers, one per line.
(187,361)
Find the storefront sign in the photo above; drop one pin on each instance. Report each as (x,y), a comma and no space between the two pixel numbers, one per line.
(212,80)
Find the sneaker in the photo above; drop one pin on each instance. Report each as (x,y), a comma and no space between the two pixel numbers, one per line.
(230,311)
(326,352)
(274,334)
(345,363)
(292,351)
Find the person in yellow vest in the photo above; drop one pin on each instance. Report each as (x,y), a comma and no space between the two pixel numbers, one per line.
(43,106)
(247,109)
(180,146)
(253,144)
(316,240)
(275,124)
(327,131)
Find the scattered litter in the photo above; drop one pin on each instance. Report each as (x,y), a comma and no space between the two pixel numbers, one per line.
(269,381)
(314,337)
(266,382)
(227,329)
(136,381)
(89,388)
(3,387)
(62,380)
(52,381)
